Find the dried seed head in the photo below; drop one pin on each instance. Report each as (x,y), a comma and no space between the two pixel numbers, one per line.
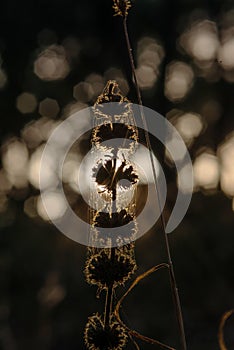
(110,174)
(117,219)
(114,119)
(102,271)
(122,7)
(111,93)
(98,338)
(120,218)
(111,131)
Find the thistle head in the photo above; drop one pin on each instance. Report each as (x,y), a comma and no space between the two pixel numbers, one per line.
(102,271)
(98,338)
(121,7)
(109,175)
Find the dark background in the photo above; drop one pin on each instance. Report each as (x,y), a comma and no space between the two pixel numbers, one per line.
(34,256)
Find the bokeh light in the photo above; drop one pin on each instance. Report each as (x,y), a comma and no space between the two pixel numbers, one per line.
(49,108)
(31,134)
(226,51)
(206,171)
(149,57)
(26,103)
(55,64)
(46,127)
(179,80)
(226,155)
(52,293)
(183,181)
(189,125)
(97,83)
(35,132)
(227,181)
(201,41)
(226,54)
(83,92)
(52,64)
(146,77)
(50,179)
(15,162)
(30,207)
(174,143)
(72,108)
(71,170)
(57,204)
(5,184)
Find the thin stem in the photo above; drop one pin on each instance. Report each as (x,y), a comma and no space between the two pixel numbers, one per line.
(173,283)
(224,318)
(109,298)
(120,301)
(110,289)
(132,61)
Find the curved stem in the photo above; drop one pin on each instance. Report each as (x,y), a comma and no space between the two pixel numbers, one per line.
(119,304)
(176,298)
(221,329)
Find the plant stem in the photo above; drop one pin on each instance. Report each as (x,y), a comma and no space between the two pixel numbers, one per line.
(174,289)
(109,298)
(110,289)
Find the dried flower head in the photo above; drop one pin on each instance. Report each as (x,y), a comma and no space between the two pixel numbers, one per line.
(102,271)
(111,131)
(112,93)
(122,7)
(98,338)
(117,219)
(110,175)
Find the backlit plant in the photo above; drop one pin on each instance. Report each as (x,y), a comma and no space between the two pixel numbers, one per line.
(114,175)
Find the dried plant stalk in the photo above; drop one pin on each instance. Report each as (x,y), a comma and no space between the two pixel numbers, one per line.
(119,304)
(121,7)
(174,289)
(224,319)
(110,267)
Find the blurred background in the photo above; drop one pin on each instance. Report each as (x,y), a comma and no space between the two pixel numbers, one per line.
(55,58)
